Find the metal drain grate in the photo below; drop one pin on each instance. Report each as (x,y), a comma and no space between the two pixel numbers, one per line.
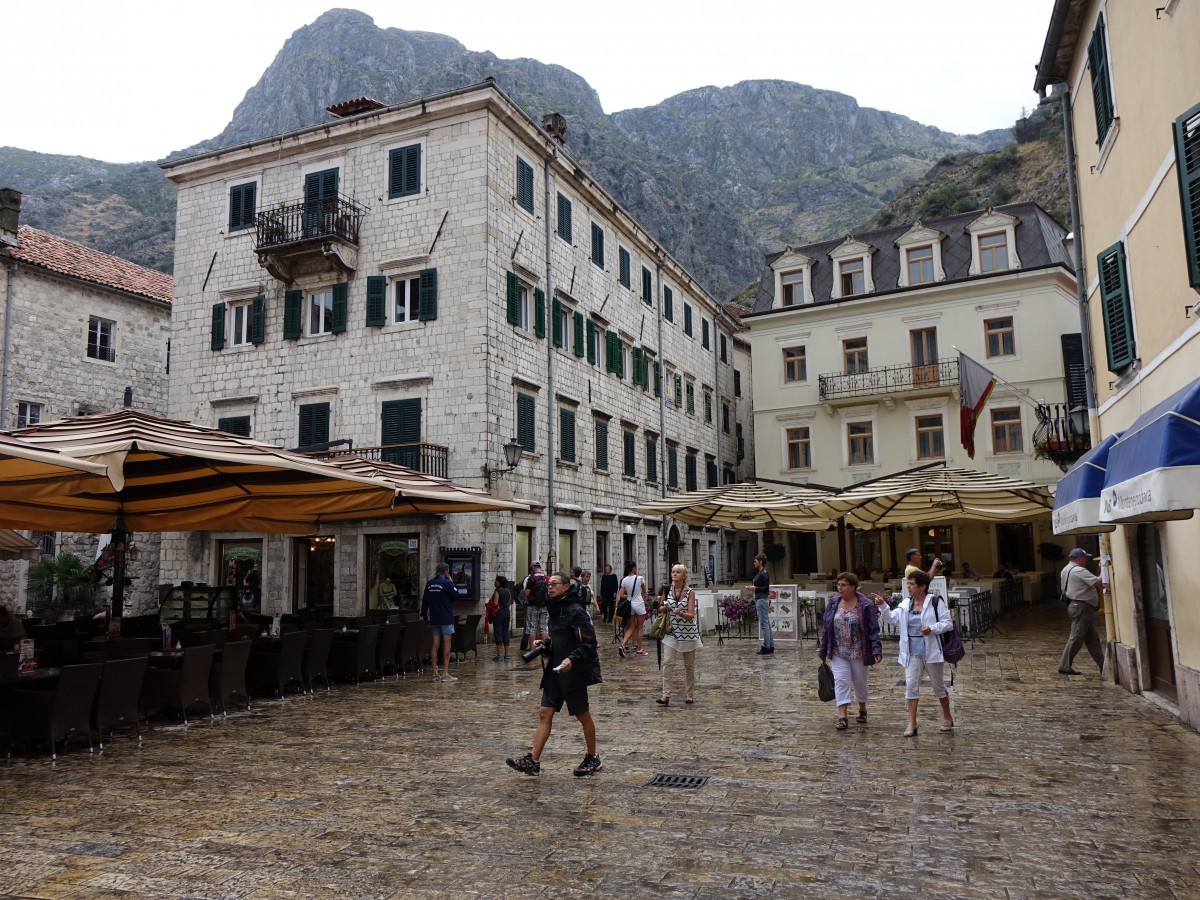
(678,781)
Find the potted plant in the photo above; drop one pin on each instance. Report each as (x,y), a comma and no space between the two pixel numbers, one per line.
(65,582)
(1050,551)
(774,553)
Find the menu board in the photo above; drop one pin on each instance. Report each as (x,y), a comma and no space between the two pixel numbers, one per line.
(785,625)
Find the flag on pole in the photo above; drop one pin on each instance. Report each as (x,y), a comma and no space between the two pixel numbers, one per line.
(975,386)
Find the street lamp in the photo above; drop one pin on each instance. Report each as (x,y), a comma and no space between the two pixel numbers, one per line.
(512,456)
(1079,420)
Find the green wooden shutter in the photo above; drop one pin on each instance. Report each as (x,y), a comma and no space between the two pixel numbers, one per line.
(400,432)
(314,424)
(1101,86)
(427,307)
(293,302)
(623,257)
(1118,318)
(376,300)
(611,343)
(597,245)
(647,287)
(340,306)
(672,467)
(258,319)
(539,312)
(690,472)
(691,399)
(525,423)
(620,358)
(668,304)
(678,390)
(556,328)
(687,319)
(577,323)
(592,340)
(241,206)
(566,435)
(651,459)
(741,440)
(217,340)
(708,407)
(630,461)
(657,379)
(704,330)
(564,218)
(1074,371)
(1187,163)
(404,171)
(602,445)
(638,361)
(513,298)
(524,185)
(239,425)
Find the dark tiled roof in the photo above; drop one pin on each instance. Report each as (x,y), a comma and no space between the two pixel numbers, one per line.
(55,254)
(1039,244)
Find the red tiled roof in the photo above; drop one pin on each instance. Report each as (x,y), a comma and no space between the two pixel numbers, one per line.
(48,251)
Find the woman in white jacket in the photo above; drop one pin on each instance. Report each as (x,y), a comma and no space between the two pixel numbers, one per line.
(920,627)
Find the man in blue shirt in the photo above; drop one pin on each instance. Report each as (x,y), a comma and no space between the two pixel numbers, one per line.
(437,609)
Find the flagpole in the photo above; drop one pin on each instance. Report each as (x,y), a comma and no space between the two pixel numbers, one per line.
(1021,393)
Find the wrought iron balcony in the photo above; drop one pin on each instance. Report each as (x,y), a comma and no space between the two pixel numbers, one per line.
(888,380)
(428,459)
(293,232)
(1061,435)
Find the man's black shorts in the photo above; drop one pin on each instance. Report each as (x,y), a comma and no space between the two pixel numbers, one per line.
(553,696)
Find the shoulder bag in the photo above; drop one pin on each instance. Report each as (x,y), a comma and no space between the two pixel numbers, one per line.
(825,690)
(952,642)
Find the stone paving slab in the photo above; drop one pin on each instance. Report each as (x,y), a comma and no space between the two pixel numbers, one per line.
(1049,787)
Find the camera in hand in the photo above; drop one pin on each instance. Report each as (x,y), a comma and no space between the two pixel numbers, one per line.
(533,653)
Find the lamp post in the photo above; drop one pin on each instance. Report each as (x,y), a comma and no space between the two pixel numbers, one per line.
(512,456)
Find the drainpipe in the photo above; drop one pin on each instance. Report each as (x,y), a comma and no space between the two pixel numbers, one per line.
(551,417)
(717,423)
(1111,631)
(8,293)
(662,415)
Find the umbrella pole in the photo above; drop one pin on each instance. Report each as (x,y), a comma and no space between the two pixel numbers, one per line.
(119,539)
(841,533)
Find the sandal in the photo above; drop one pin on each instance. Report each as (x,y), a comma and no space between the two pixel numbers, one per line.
(663,701)
(841,724)
(861,718)
(947,726)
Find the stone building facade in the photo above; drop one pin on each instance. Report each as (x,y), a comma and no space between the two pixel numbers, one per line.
(426,283)
(85,332)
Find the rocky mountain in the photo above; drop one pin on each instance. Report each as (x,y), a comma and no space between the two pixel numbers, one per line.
(719,175)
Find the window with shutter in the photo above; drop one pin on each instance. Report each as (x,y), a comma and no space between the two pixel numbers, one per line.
(258,319)
(293,303)
(647,286)
(564,218)
(566,435)
(539,312)
(704,330)
(691,399)
(376,300)
(630,461)
(577,325)
(320,201)
(678,390)
(314,424)
(672,466)
(668,304)
(639,361)
(404,171)
(708,407)
(710,472)
(524,185)
(340,293)
(1102,99)
(217,339)
(651,458)
(239,425)
(724,346)
(592,340)
(687,319)
(242,206)
(525,422)
(1118,318)
(400,432)
(597,245)
(556,322)
(428,303)
(741,440)
(725,417)
(1074,371)
(612,351)
(690,472)
(623,257)
(1187,164)
(516,298)
(602,445)
(657,379)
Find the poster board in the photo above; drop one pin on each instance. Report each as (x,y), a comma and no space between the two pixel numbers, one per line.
(784,613)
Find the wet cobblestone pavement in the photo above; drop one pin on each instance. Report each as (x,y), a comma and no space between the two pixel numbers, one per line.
(1049,787)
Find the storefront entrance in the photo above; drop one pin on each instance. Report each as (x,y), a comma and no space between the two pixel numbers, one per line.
(241,569)
(313,568)
(393,571)
(1156,612)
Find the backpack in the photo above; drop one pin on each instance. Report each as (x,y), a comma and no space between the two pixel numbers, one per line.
(536,585)
(952,642)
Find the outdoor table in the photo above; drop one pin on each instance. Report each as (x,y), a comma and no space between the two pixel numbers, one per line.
(33,678)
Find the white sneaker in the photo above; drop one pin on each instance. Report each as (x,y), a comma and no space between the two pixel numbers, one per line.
(448,678)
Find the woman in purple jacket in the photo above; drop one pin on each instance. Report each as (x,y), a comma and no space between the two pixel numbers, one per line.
(850,642)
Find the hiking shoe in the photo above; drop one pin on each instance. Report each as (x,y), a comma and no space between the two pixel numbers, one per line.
(529,765)
(448,678)
(590,766)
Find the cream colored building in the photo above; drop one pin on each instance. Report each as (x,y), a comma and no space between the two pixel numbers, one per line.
(855,353)
(1130,73)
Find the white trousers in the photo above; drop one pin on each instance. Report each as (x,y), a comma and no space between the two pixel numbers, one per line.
(912,676)
(847,674)
(670,654)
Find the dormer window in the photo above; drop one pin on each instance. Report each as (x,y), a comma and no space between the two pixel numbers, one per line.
(920,256)
(852,267)
(993,243)
(793,279)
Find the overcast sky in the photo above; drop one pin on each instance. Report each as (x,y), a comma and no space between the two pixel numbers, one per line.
(131,80)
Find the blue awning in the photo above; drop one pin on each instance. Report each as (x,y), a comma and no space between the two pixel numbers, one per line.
(1077,496)
(1154,467)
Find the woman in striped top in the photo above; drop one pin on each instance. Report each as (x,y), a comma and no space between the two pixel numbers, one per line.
(684,639)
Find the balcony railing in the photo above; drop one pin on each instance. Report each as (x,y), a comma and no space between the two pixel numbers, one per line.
(338,217)
(888,380)
(428,459)
(1060,436)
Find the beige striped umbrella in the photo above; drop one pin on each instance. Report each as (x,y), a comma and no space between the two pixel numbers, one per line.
(745,507)
(936,494)
(27,471)
(14,545)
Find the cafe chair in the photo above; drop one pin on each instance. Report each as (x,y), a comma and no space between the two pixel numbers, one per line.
(352,659)
(410,645)
(183,688)
(117,700)
(465,638)
(316,658)
(227,681)
(56,715)
(385,650)
(278,667)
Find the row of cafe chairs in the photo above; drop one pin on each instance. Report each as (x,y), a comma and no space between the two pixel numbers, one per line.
(119,688)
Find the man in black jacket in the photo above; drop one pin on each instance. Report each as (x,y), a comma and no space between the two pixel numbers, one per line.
(571,664)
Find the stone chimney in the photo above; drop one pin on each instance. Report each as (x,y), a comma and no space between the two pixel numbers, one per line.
(10,215)
(555,125)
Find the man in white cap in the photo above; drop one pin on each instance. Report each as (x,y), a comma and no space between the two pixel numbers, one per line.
(1082,590)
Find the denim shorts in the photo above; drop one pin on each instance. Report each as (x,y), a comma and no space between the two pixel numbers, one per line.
(441,630)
